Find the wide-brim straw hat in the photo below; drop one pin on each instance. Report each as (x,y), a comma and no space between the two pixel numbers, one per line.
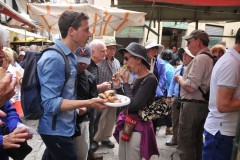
(153,43)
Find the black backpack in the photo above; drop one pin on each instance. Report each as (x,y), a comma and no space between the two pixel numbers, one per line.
(207,94)
(30,89)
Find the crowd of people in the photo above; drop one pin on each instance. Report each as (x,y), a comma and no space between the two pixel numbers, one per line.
(75,120)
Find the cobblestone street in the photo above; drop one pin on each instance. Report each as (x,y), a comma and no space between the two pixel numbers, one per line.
(166,153)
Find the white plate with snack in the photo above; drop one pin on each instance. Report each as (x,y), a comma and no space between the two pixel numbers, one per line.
(119,102)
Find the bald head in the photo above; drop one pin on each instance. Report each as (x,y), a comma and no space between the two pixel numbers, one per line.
(99,49)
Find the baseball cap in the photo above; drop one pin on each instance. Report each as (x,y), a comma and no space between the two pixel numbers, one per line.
(83,55)
(22,53)
(201,34)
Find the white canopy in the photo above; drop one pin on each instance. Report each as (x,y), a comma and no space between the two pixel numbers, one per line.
(103,21)
(23,32)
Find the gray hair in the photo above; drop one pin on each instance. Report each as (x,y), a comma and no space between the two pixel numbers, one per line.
(95,43)
(33,48)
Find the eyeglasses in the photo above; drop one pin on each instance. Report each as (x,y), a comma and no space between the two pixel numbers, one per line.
(154,47)
(80,14)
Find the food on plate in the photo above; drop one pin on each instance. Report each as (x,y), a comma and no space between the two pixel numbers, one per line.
(110,96)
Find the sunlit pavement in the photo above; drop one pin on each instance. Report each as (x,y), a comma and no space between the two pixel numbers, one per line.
(166,152)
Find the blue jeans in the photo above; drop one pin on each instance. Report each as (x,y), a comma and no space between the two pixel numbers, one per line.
(58,148)
(217,147)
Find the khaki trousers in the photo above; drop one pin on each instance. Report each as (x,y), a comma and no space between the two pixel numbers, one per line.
(130,150)
(105,125)
(190,133)
(81,142)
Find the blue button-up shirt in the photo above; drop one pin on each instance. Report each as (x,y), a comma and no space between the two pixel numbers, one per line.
(174,87)
(51,73)
(169,73)
(160,73)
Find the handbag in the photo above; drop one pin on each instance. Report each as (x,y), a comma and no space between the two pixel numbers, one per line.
(156,109)
(129,125)
(16,153)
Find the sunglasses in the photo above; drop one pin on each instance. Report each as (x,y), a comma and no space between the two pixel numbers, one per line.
(75,19)
(127,58)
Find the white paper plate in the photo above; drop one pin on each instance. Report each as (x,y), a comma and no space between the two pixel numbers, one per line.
(125,101)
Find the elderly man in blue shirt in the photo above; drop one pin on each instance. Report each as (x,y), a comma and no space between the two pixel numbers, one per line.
(173,93)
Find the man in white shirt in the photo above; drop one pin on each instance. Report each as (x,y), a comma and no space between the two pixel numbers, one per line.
(224,105)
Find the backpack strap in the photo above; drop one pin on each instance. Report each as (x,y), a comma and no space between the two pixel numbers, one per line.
(214,61)
(67,65)
(67,73)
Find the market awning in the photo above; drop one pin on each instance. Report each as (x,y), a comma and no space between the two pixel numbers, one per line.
(23,32)
(103,21)
(196,2)
(185,10)
(7,10)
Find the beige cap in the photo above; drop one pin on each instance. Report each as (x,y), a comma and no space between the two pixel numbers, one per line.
(201,34)
(153,43)
(181,51)
(111,42)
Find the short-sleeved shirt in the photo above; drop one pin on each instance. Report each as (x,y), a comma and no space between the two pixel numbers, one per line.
(226,73)
(198,74)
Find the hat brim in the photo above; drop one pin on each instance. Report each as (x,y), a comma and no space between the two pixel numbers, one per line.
(118,45)
(122,50)
(83,60)
(160,47)
(188,37)
(181,51)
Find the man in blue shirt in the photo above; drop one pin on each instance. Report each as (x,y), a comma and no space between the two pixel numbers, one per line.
(173,93)
(59,97)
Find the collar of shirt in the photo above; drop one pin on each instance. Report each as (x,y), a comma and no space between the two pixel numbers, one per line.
(63,47)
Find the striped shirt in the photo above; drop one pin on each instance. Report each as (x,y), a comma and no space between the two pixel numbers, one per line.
(107,68)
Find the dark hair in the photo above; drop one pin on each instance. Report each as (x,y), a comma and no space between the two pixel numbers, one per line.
(167,55)
(237,41)
(70,19)
(205,43)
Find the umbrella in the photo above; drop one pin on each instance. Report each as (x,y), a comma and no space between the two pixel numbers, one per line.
(103,21)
